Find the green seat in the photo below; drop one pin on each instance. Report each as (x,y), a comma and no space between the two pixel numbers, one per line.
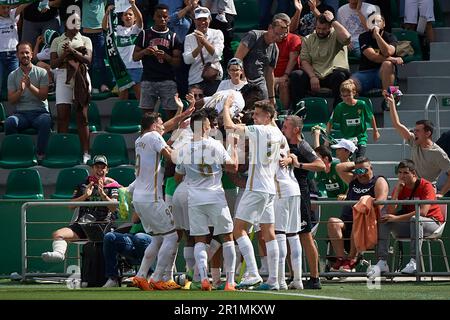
(125,117)
(247,18)
(2,117)
(24,184)
(123,175)
(413,36)
(316,112)
(93,118)
(17,151)
(113,146)
(63,151)
(67,180)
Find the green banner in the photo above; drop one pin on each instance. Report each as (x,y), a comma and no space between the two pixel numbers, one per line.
(118,68)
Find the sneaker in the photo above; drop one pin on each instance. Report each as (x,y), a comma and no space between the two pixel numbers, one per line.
(52,256)
(378,269)
(312,283)
(337,265)
(348,265)
(221,17)
(295,285)
(410,268)
(171,285)
(230,287)
(267,287)
(157,285)
(86,158)
(104,88)
(206,286)
(187,285)
(195,285)
(111,283)
(283,285)
(142,284)
(249,282)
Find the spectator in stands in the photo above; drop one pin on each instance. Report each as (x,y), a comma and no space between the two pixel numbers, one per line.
(125,36)
(129,244)
(97,187)
(27,91)
(344,149)
(202,47)
(327,67)
(385,10)
(353,116)
(328,180)
(36,20)
(444,143)
(304,160)
(377,68)
(361,181)
(288,60)
(304,21)
(259,53)
(93,12)
(223,13)
(415,10)
(409,186)
(160,51)
(72,50)
(9,38)
(429,159)
(41,55)
(353,17)
(182,23)
(265,11)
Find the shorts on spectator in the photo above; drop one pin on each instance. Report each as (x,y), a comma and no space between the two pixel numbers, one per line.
(416,8)
(135,74)
(152,91)
(64,92)
(368,79)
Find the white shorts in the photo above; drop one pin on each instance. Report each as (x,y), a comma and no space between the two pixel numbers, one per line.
(180,207)
(201,216)
(64,92)
(287,214)
(155,216)
(256,207)
(425,8)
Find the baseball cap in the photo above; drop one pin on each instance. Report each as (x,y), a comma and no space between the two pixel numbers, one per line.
(202,12)
(235,61)
(49,35)
(100,159)
(346,144)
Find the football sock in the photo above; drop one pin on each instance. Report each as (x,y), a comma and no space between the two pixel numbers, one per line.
(273,257)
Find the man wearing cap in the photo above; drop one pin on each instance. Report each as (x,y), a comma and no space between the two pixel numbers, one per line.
(203,46)
(259,53)
(160,51)
(344,149)
(97,187)
(361,181)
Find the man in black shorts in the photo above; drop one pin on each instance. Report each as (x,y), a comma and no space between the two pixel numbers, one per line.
(97,187)
(304,160)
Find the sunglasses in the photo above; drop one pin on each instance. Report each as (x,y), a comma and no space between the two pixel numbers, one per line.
(198,95)
(360,171)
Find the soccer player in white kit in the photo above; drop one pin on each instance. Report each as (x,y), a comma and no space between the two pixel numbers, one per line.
(201,162)
(256,205)
(148,202)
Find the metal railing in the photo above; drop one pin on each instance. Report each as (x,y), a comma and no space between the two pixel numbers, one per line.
(416,203)
(437,124)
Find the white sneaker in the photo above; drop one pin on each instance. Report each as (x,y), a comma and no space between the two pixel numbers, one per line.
(295,285)
(221,17)
(111,283)
(86,158)
(283,285)
(250,281)
(378,269)
(410,268)
(52,256)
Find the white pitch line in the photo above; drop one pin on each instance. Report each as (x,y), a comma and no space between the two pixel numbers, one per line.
(298,294)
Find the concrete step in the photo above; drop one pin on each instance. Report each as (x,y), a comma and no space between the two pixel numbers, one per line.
(409,117)
(417,101)
(425,68)
(427,84)
(387,152)
(442,34)
(439,51)
(384,168)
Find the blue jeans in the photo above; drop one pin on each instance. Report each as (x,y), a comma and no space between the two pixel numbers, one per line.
(41,121)
(8,63)
(130,246)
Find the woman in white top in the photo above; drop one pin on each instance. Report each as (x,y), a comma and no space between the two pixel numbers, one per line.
(126,35)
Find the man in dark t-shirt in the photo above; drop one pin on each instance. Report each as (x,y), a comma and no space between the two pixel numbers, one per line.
(377,68)
(35,21)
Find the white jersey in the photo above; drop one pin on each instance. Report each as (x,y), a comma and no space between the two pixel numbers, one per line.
(149,172)
(265,142)
(201,163)
(285,180)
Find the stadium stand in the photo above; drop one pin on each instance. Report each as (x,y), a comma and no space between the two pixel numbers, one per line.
(17,151)
(16,188)
(93,116)
(113,146)
(67,179)
(63,150)
(123,175)
(125,117)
